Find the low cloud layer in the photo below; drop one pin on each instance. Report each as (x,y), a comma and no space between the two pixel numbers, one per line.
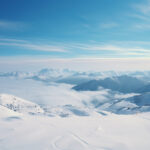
(51,95)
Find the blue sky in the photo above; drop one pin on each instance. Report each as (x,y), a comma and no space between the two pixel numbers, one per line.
(75,28)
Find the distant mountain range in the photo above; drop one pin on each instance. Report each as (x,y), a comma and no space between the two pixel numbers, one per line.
(115,82)
(73,77)
(124,84)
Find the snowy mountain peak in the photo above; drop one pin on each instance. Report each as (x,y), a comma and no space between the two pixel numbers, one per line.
(19,105)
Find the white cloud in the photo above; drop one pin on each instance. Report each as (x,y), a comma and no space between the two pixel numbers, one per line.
(11,40)
(50,95)
(108,25)
(113,49)
(143,14)
(31,46)
(106,47)
(12,25)
(118,49)
(143,8)
(142,26)
(141,17)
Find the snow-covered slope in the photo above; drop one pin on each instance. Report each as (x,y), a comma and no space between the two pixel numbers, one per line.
(19,105)
(72,120)
(95,132)
(6,112)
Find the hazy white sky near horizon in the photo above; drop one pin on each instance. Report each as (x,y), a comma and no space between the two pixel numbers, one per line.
(80,64)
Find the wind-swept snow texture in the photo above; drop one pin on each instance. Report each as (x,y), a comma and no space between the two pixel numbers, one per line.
(95,132)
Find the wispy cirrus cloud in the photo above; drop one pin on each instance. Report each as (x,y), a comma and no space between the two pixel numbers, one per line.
(118,49)
(142,26)
(142,13)
(143,8)
(11,40)
(12,25)
(140,17)
(111,49)
(31,46)
(109,25)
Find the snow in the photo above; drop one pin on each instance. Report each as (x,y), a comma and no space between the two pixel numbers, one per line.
(5,112)
(19,105)
(40,115)
(95,132)
(54,96)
